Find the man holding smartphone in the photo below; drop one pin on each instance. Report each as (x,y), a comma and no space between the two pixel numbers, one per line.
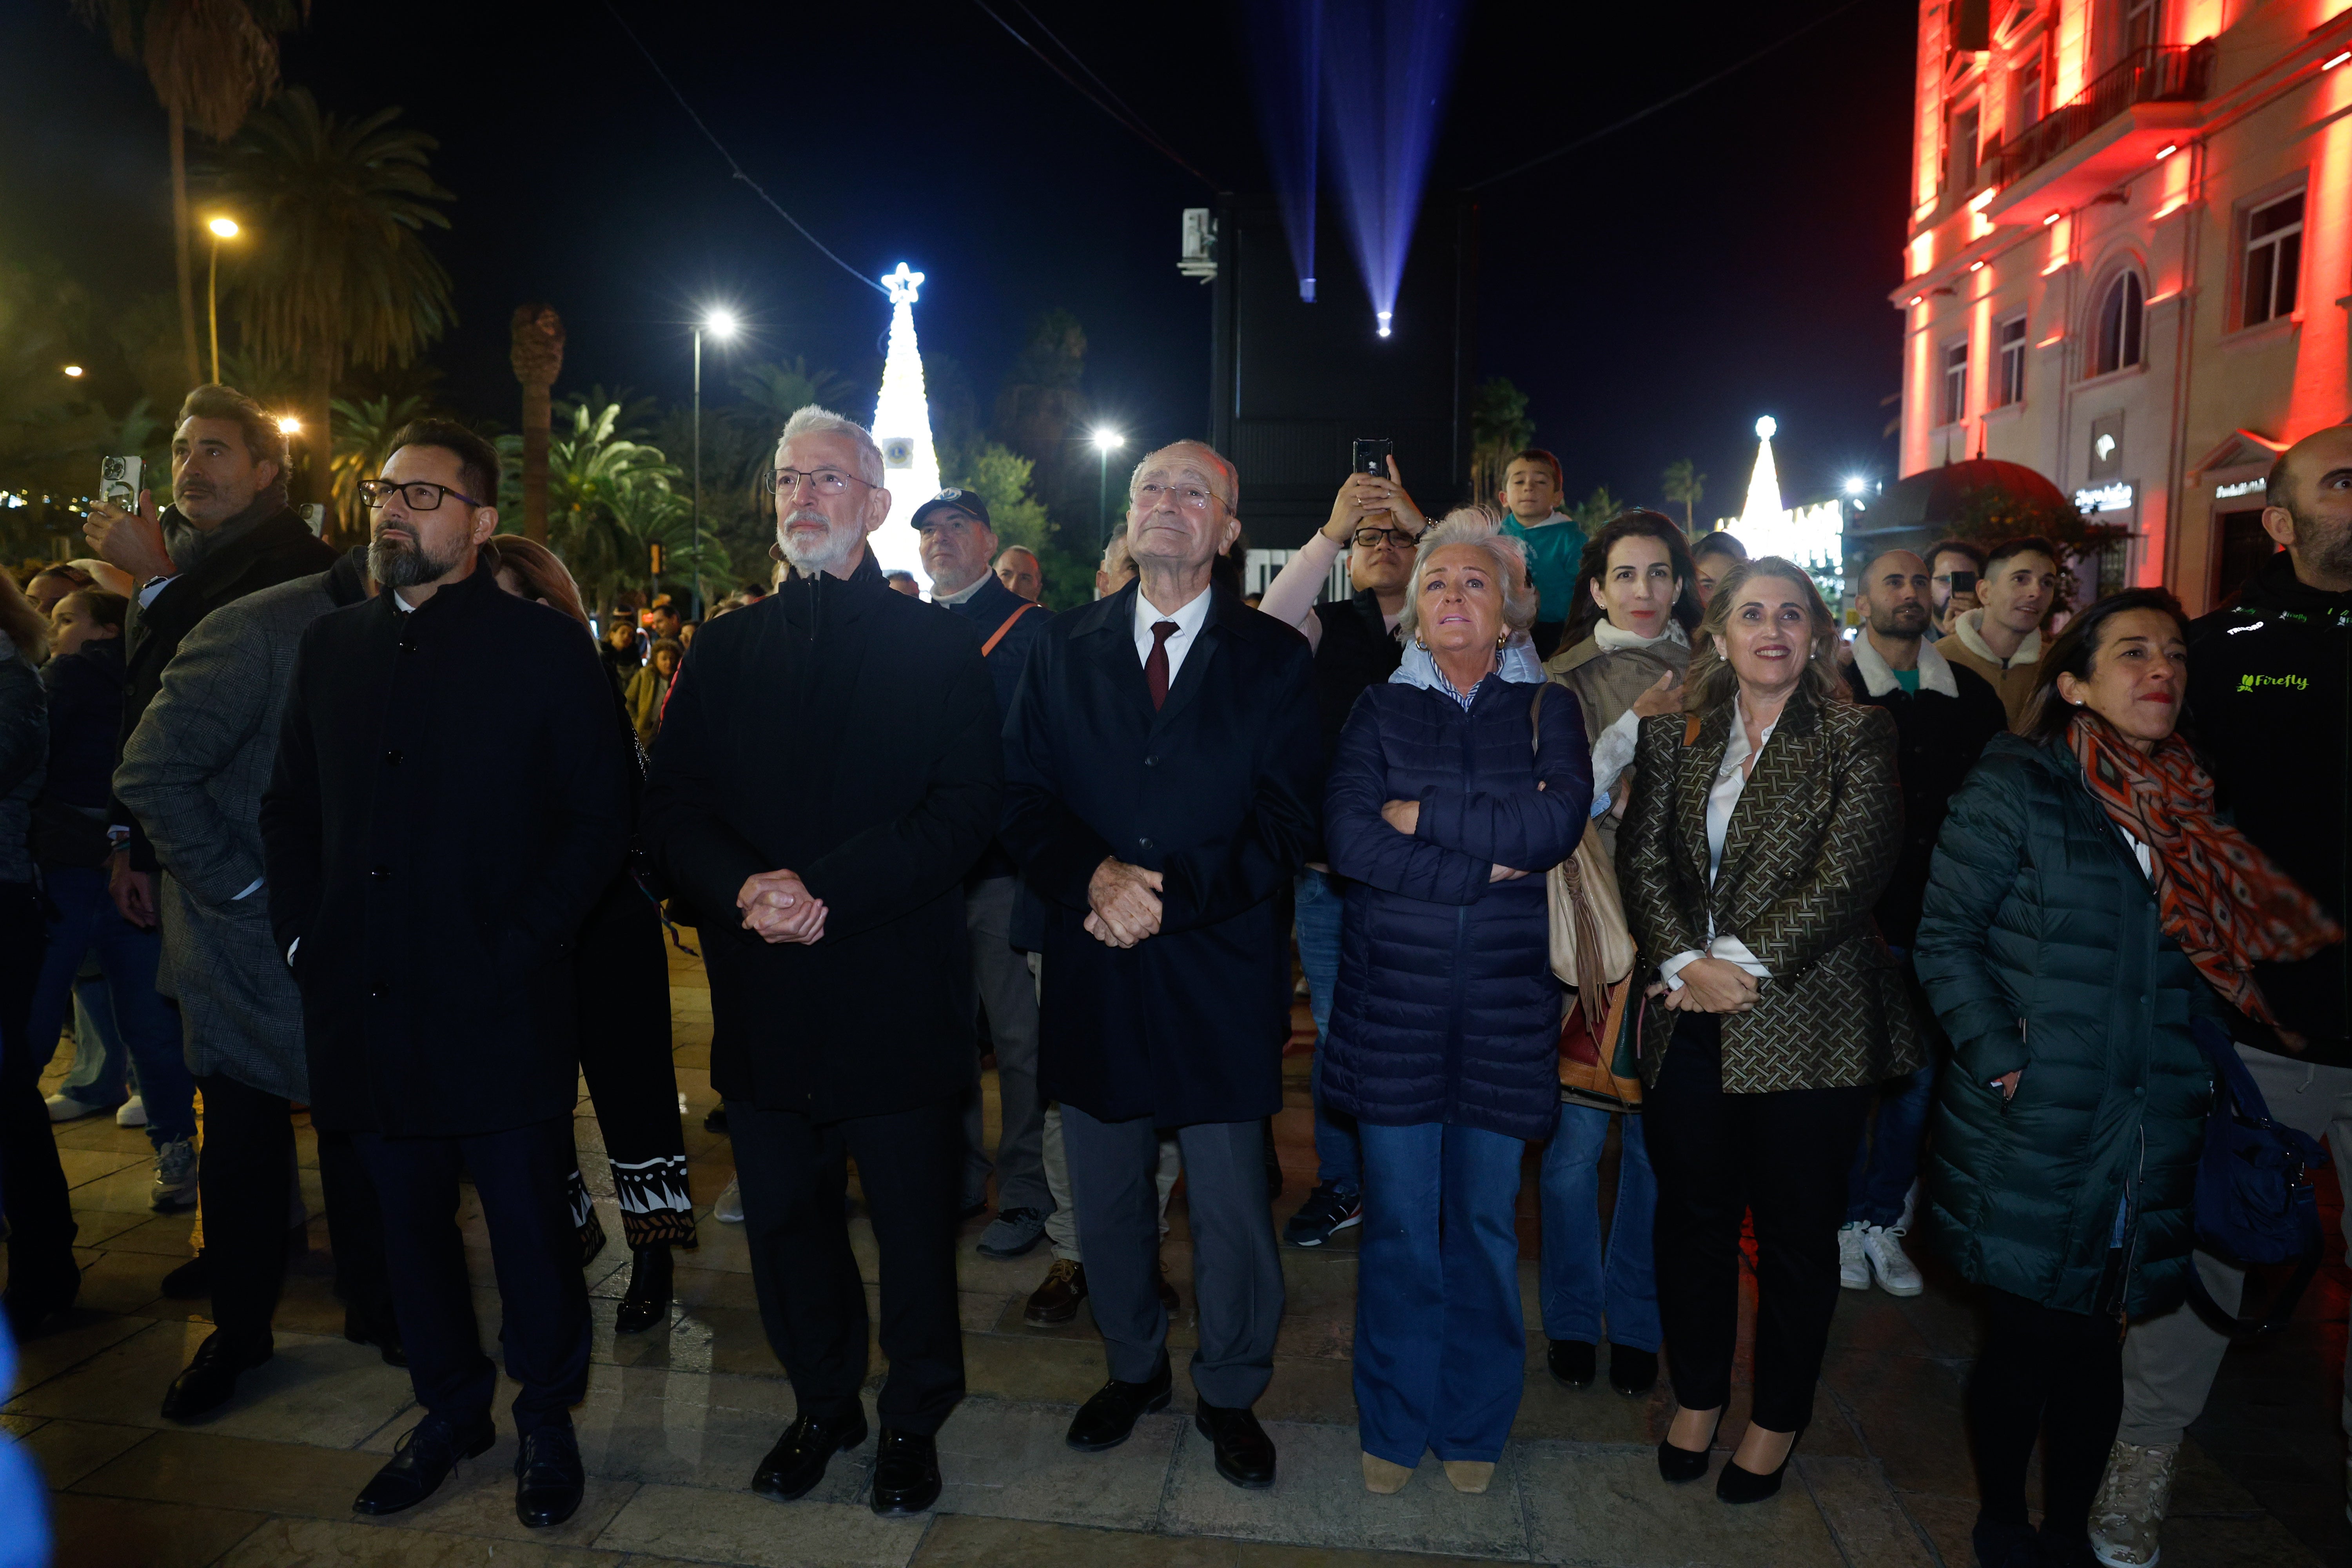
(1953,569)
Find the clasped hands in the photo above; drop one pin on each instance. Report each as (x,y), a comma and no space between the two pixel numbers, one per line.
(1125,903)
(778,908)
(1710,986)
(1405,815)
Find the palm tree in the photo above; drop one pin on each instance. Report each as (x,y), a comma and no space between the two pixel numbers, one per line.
(779,387)
(1686,484)
(363,433)
(344,277)
(609,498)
(211,61)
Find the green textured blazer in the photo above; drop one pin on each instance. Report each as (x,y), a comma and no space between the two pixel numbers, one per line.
(1808,847)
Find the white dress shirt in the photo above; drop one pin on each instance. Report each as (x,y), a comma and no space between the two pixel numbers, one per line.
(1729,781)
(1188,622)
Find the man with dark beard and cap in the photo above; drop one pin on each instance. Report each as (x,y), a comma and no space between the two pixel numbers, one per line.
(447,807)
(829,768)
(1944,713)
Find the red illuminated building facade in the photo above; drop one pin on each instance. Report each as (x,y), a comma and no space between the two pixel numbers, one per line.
(2130,258)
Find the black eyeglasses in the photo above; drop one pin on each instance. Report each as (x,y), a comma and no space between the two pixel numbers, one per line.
(422,495)
(1369,537)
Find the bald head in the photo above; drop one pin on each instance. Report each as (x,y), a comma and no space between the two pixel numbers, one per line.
(1894,598)
(1020,569)
(2308,508)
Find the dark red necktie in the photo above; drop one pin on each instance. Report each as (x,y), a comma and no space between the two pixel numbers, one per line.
(1155,669)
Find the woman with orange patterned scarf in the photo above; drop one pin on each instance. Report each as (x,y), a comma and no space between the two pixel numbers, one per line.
(2086,904)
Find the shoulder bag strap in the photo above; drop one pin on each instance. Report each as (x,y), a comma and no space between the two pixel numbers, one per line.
(989,646)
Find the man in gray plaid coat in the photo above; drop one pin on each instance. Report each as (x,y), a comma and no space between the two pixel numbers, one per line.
(192,772)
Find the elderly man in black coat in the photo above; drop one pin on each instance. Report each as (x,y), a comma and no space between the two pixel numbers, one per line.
(1161,764)
(447,806)
(829,768)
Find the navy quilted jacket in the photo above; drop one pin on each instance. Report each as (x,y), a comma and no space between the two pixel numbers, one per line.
(1446,1009)
(2041,949)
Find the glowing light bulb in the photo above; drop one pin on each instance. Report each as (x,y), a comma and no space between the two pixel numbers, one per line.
(224,226)
(1108,440)
(73,370)
(288,425)
(1855,484)
(721,324)
(1766,426)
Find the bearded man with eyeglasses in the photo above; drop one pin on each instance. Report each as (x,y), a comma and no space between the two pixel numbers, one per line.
(827,771)
(449,802)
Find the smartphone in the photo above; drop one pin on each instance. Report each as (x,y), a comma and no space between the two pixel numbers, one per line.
(1372,456)
(119,482)
(1964,582)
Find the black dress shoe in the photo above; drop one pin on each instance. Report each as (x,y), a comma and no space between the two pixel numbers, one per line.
(210,1380)
(1680,1466)
(1105,1420)
(549,1476)
(190,1281)
(1631,1371)
(421,1462)
(384,1332)
(1736,1486)
(906,1473)
(32,1300)
(1571,1362)
(1244,1453)
(797,1462)
(647,1300)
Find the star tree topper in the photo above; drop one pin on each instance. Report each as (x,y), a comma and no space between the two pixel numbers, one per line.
(902,285)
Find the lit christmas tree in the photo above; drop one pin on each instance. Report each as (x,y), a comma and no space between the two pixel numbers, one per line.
(902,428)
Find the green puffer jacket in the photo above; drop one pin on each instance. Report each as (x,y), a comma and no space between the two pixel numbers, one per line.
(2039,948)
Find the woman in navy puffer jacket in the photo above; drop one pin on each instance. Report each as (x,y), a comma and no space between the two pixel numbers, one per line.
(1444,812)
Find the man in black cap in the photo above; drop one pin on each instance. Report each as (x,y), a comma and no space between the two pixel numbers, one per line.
(959,541)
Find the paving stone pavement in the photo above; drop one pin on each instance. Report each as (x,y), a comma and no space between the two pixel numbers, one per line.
(676,1419)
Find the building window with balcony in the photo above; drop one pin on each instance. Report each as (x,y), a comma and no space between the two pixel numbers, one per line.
(1955,405)
(2273,261)
(2009,363)
(1967,125)
(2143,25)
(2123,308)
(2029,100)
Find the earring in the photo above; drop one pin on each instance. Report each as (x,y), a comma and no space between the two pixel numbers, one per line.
(1504,640)
(1420,642)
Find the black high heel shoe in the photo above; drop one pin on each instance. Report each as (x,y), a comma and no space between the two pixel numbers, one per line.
(1679,1467)
(647,1300)
(1739,1486)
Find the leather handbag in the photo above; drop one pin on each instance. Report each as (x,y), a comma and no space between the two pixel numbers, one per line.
(1591,946)
(1598,1068)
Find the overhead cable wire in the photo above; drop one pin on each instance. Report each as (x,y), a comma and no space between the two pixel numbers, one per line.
(732,165)
(1667,102)
(1106,101)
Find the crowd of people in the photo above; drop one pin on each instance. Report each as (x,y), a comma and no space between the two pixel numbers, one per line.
(1614,844)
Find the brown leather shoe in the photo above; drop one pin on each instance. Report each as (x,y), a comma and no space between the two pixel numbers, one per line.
(1055,1302)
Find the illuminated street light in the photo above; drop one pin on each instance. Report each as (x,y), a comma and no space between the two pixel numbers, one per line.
(222,229)
(1106,441)
(721,323)
(73,370)
(1855,484)
(288,425)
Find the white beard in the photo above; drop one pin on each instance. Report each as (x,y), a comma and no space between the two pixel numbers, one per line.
(838,545)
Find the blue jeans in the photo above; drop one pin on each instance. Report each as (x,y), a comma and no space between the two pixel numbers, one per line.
(1440,1347)
(150,1026)
(1338,1153)
(1578,1284)
(1888,1160)
(101,1076)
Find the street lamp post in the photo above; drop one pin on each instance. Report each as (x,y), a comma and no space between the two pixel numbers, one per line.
(222,229)
(719,324)
(1105,443)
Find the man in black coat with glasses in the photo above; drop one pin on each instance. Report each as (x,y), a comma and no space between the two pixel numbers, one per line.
(447,806)
(828,770)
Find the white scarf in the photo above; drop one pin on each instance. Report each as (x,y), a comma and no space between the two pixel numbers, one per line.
(1614,639)
(1878,676)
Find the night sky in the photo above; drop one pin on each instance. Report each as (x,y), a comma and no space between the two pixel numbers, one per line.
(1653,293)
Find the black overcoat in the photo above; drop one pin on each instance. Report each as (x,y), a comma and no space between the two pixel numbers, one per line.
(849,734)
(1217,792)
(447,806)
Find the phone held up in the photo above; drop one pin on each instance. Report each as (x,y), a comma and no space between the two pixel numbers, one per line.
(119,482)
(1964,582)
(1372,456)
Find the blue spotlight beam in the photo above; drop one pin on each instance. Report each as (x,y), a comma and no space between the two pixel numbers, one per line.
(1288,68)
(1388,65)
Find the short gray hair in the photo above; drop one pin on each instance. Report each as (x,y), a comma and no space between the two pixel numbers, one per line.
(1481,530)
(810,420)
(1214,459)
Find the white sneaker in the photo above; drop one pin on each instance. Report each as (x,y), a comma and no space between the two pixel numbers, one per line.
(1882,1246)
(133,1112)
(1854,1267)
(65,1108)
(175,1176)
(2128,1515)
(728,1210)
